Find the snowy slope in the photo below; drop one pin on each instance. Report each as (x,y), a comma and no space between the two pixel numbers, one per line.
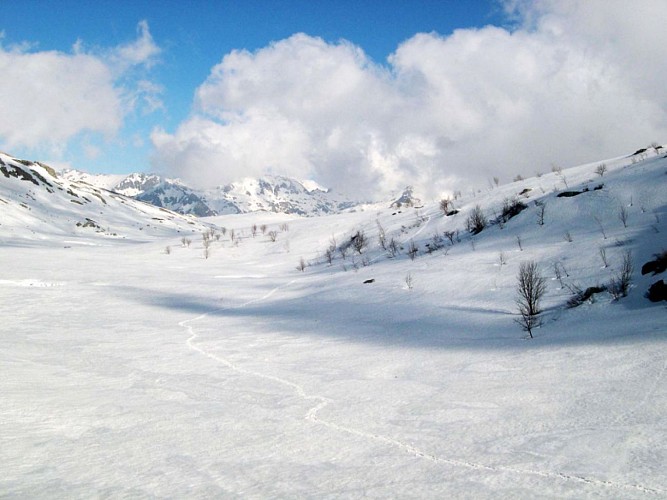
(38,205)
(231,372)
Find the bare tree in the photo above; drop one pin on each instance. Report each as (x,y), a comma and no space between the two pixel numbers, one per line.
(392,248)
(620,284)
(541,207)
(382,236)
(263,228)
(273,235)
(450,236)
(603,256)
(253,230)
(409,281)
(531,287)
(623,215)
(329,255)
(599,222)
(601,169)
(413,250)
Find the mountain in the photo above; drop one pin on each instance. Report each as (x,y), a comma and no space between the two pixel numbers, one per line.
(37,203)
(267,194)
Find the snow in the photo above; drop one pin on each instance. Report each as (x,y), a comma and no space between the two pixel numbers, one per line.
(132,372)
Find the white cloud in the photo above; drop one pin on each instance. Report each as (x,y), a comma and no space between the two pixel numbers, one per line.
(49,97)
(575,82)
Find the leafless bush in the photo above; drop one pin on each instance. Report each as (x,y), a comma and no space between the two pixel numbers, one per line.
(623,215)
(359,241)
(273,236)
(393,248)
(541,207)
(382,236)
(413,250)
(599,222)
(167,250)
(450,236)
(531,287)
(502,258)
(445,204)
(476,221)
(263,228)
(329,255)
(619,286)
(603,256)
(601,169)
(567,236)
(409,281)
(302,265)
(253,230)
(284,227)
(519,242)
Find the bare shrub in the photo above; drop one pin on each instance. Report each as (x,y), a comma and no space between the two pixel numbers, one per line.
(263,228)
(409,281)
(623,215)
(599,222)
(413,250)
(450,236)
(619,286)
(502,258)
(167,250)
(476,221)
(302,265)
(253,230)
(511,208)
(382,236)
(445,205)
(567,237)
(393,248)
(601,169)
(541,207)
(531,287)
(359,241)
(603,256)
(329,255)
(273,236)
(519,242)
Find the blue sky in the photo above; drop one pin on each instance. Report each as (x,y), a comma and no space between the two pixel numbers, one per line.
(135,86)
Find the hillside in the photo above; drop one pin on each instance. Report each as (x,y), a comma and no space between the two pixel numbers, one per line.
(282,356)
(39,205)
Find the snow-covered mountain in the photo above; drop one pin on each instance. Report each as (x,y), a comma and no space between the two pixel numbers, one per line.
(267,194)
(37,203)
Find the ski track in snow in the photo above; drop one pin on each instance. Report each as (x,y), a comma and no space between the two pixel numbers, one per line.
(322,402)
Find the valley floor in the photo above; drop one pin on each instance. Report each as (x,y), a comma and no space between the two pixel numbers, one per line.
(129,372)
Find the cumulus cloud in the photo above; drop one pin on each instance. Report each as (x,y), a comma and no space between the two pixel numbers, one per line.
(49,97)
(571,82)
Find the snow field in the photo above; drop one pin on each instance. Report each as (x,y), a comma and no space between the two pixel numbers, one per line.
(129,372)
